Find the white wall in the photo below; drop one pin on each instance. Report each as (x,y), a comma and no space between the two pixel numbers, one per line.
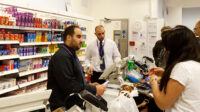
(175,7)
(174,16)
(190,17)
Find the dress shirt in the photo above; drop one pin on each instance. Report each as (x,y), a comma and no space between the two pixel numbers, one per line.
(111,54)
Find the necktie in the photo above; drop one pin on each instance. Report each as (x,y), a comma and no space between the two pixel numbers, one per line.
(101,53)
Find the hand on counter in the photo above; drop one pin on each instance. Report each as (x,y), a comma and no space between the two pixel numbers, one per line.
(94,84)
(100,89)
(90,71)
(156,71)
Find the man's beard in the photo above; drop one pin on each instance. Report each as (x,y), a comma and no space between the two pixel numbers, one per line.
(73,46)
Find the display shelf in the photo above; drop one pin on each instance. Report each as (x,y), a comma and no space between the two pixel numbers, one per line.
(32,82)
(32,71)
(24,28)
(25,102)
(81,58)
(9,72)
(58,42)
(34,29)
(6,57)
(34,56)
(8,42)
(8,90)
(60,30)
(41,89)
(34,43)
(9,27)
(32,108)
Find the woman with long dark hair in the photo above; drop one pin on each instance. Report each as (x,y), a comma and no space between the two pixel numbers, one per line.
(178,91)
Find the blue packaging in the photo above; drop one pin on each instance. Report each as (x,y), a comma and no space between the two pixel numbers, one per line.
(2,52)
(18,51)
(16,64)
(134,80)
(25,51)
(34,52)
(34,37)
(22,51)
(30,51)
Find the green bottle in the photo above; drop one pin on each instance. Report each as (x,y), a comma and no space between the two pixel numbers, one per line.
(131,65)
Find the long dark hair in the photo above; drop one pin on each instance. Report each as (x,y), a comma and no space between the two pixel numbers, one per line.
(182,45)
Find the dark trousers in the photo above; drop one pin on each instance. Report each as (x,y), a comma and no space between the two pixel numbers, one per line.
(95,77)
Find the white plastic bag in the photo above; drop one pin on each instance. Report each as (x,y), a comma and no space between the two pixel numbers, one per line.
(123,104)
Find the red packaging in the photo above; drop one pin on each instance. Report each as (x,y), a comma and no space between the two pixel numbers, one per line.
(5,20)
(12,51)
(22,38)
(10,23)
(1,68)
(6,36)
(16,37)
(8,46)
(1,21)
(11,37)
(1,36)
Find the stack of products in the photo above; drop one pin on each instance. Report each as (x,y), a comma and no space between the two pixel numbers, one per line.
(8,50)
(6,83)
(7,65)
(28,89)
(37,37)
(33,77)
(7,35)
(32,64)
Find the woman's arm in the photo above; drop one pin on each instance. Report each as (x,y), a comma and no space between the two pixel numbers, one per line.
(173,91)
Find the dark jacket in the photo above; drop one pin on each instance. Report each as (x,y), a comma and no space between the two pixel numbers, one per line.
(65,77)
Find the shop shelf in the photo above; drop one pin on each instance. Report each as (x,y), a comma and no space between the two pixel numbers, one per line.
(9,72)
(58,42)
(58,30)
(25,102)
(41,89)
(6,57)
(32,108)
(8,90)
(32,71)
(34,43)
(34,56)
(34,29)
(9,27)
(32,82)
(9,42)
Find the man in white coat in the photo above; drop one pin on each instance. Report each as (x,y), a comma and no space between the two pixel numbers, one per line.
(100,54)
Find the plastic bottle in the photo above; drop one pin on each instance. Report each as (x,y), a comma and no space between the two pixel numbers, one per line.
(131,65)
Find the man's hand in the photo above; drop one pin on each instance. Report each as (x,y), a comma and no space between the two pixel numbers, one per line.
(156,71)
(94,84)
(90,71)
(100,89)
